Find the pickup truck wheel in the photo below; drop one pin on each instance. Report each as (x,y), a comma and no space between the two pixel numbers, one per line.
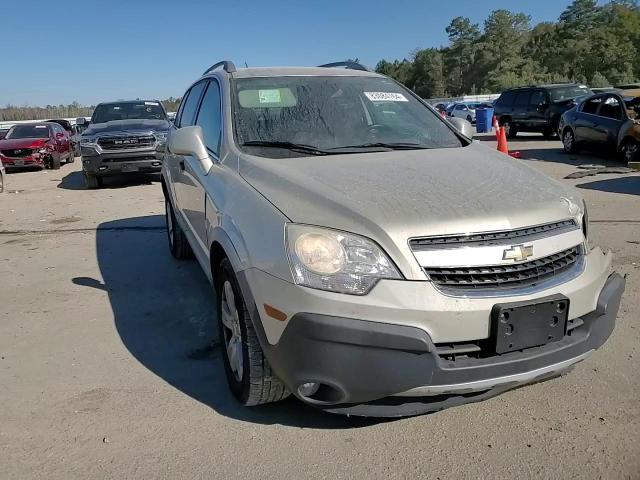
(248,372)
(630,150)
(509,129)
(92,181)
(178,243)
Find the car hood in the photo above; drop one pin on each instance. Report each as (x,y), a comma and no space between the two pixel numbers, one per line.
(394,196)
(117,126)
(12,144)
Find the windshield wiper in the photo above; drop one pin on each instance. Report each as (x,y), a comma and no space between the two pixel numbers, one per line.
(296,147)
(386,145)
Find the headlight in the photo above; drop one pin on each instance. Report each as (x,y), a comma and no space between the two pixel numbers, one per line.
(88,141)
(336,261)
(161,136)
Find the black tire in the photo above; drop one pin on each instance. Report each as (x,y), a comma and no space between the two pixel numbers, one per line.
(469,119)
(257,384)
(92,181)
(569,141)
(509,129)
(549,133)
(1,184)
(178,243)
(55,162)
(72,156)
(630,150)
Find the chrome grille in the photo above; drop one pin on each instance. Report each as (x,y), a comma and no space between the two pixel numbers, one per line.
(495,238)
(126,141)
(505,276)
(18,152)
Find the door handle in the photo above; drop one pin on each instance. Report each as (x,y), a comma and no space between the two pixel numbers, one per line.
(181,162)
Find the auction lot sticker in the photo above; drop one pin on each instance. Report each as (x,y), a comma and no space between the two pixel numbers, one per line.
(385,97)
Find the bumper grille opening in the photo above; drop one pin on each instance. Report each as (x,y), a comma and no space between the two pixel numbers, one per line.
(127,142)
(504,276)
(18,152)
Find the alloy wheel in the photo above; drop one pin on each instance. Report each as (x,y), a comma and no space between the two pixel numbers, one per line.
(568,140)
(232,334)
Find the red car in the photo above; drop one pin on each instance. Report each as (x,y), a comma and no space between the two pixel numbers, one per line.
(36,145)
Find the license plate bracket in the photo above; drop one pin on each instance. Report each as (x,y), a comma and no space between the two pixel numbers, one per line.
(128,167)
(520,325)
(18,162)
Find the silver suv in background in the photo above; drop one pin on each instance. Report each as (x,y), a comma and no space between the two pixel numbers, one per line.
(122,138)
(367,256)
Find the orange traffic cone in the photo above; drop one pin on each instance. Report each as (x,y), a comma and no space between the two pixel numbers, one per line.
(502,141)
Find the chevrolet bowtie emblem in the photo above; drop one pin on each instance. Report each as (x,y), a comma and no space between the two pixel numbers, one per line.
(518,253)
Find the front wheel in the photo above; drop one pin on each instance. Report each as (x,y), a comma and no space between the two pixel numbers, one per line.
(249,375)
(509,129)
(569,141)
(630,150)
(55,161)
(92,181)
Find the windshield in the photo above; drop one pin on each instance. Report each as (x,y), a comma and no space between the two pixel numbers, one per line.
(106,112)
(333,114)
(568,92)
(28,131)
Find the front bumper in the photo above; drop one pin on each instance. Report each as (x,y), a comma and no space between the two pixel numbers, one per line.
(383,369)
(116,163)
(22,162)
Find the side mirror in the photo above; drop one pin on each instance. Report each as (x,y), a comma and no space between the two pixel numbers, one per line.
(464,127)
(59,135)
(190,141)
(81,121)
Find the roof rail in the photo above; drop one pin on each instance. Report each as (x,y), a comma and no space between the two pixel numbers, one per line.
(228,66)
(348,64)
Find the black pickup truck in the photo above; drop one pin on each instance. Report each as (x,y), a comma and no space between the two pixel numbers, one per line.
(122,137)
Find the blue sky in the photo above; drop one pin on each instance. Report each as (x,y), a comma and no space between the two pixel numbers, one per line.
(98,50)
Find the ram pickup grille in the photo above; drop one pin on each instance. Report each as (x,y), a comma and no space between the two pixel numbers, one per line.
(495,238)
(126,142)
(18,152)
(505,276)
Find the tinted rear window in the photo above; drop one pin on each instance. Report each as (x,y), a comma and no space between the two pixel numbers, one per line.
(506,99)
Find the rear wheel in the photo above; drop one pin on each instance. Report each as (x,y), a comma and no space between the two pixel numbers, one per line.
(509,129)
(630,150)
(1,184)
(569,141)
(178,243)
(248,372)
(72,155)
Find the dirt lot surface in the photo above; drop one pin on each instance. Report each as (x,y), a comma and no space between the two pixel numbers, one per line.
(104,371)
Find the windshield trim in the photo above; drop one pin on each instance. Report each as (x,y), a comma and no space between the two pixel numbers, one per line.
(164,112)
(48,127)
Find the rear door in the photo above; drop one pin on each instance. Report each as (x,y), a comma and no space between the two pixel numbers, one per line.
(520,113)
(537,111)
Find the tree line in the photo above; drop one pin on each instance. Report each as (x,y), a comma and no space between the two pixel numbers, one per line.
(73,110)
(592,44)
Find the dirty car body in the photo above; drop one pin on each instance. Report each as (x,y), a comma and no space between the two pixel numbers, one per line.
(385,264)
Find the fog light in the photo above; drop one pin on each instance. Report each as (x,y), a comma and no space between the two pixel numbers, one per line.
(308,389)
(155,164)
(102,168)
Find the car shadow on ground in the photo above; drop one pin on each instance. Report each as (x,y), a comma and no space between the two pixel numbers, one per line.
(626,185)
(75,180)
(164,312)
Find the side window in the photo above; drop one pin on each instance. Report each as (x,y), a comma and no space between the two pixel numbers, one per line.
(187,116)
(209,117)
(522,100)
(611,108)
(506,99)
(537,98)
(591,106)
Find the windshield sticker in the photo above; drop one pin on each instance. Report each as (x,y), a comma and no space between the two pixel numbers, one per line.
(269,96)
(151,103)
(41,126)
(385,97)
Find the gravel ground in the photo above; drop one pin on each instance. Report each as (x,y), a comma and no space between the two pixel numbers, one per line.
(104,370)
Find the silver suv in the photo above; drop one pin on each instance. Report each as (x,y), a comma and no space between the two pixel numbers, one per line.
(367,256)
